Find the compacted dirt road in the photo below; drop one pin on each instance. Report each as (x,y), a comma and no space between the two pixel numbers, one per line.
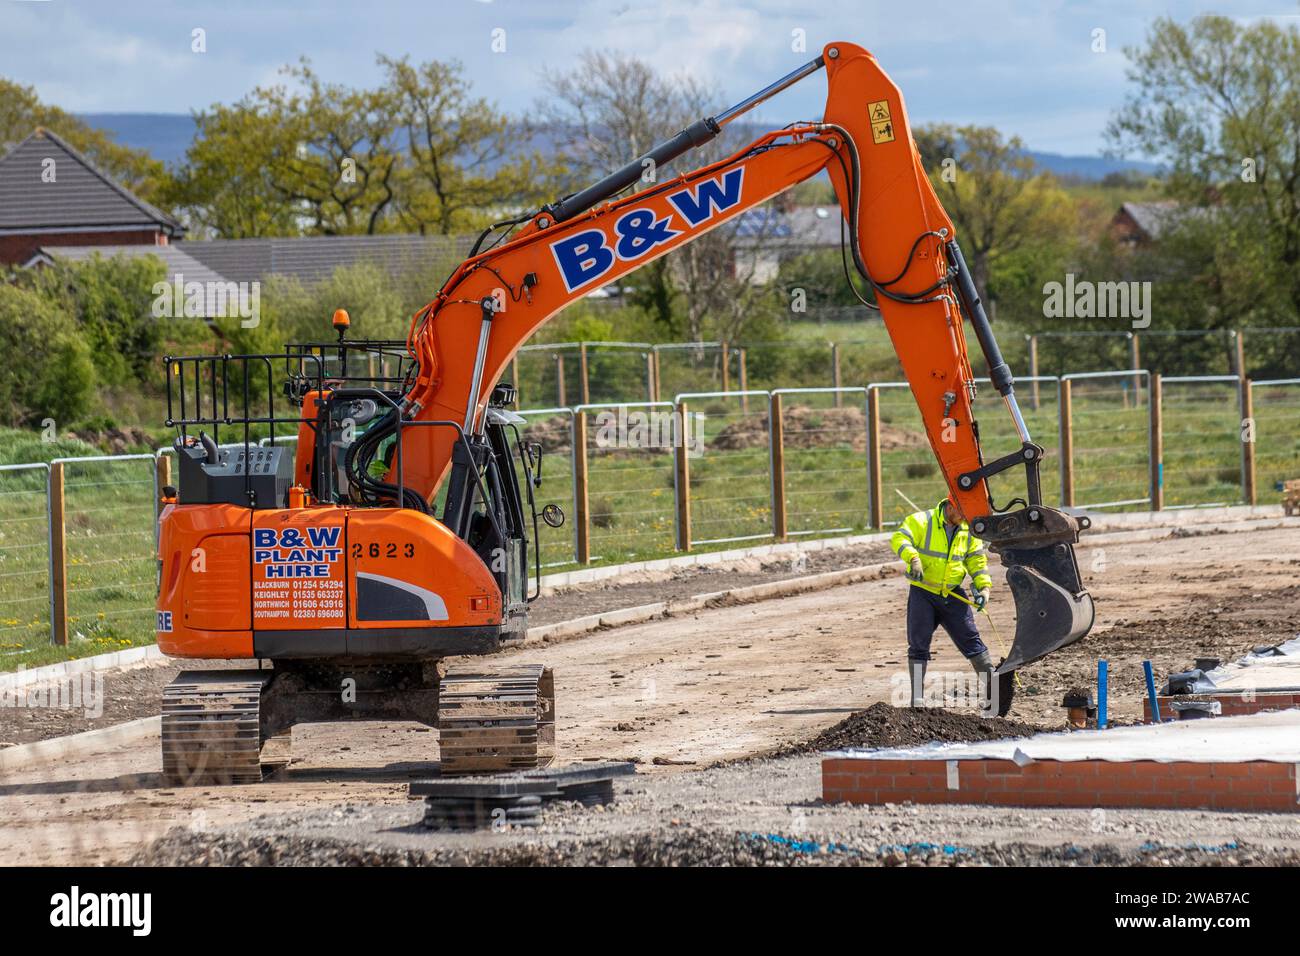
(682,693)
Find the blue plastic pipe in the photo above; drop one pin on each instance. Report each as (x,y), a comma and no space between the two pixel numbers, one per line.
(1103,674)
(1151,691)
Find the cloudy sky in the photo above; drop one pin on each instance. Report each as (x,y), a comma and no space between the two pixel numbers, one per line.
(1026,66)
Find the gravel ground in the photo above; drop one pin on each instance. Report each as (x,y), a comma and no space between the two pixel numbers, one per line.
(750,813)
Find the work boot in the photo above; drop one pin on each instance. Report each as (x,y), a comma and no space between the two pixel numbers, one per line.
(983,666)
(916,671)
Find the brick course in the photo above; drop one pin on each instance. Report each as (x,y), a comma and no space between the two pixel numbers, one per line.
(1233,704)
(1245,785)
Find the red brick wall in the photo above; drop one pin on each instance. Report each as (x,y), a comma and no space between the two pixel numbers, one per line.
(1254,785)
(15,250)
(1233,705)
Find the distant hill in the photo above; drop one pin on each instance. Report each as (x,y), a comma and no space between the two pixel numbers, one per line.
(168,135)
(165,135)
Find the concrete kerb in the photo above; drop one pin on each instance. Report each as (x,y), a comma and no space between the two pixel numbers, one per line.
(62,748)
(81,665)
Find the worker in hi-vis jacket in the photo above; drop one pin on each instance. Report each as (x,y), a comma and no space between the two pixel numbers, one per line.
(939,551)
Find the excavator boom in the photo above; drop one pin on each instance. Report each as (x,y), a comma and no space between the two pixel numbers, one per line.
(902,242)
(333,566)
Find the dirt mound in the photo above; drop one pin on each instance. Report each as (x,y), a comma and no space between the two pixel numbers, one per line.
(552,432)
(881,725)
(115,441)
(807,427)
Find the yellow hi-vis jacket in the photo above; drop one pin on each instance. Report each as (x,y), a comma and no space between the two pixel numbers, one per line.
(944,563)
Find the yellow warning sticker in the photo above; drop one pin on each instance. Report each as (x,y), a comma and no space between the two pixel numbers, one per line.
(882,132)
(878,111)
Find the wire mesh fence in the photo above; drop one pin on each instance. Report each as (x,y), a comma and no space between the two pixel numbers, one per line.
(24,560)
(770,365)
(1202,441)
(693,367)
(1111,427)
(730,466)
(630,496)
(910,478)
(618,372)
(552,429)
(1277,439)
(109,514)
(825,460)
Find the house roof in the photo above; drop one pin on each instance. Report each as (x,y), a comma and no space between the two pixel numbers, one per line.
(802,227)
(72,194)
(313,258)
(1150,217)
(180,268)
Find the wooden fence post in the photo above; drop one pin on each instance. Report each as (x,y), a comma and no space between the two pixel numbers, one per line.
(777,426)
(582,370)
(744,381)
(163,464)
(1135,362)
(1033,372)
(514,379)
(1157,446)
(1248,437)
(1239,357)
(58,558)
(835,372)
(876,502)
(683,483)
(561,396)
(657,377)
(582,503)
(725,363)
(1066,412)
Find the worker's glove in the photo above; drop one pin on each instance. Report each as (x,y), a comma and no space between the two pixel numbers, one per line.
(915,571)
(981,597)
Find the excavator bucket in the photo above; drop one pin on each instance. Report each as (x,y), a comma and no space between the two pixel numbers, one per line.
(1053,610)
(1048,616)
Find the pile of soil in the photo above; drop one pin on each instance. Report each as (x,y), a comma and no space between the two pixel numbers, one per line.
(116,441)
(551,432)
(881,726)
(807,427)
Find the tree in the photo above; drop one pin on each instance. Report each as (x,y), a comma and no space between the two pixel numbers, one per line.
(612,108)
(321,159)
(997,198)
(21,112)
(465,162)
(1218,102)
(55,377)
(110,303)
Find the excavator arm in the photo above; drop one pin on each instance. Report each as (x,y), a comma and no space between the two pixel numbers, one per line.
(902,244)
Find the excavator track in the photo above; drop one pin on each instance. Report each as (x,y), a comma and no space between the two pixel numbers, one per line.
(496,720)
(211,731)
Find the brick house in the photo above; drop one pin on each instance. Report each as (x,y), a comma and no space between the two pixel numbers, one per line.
(52,195)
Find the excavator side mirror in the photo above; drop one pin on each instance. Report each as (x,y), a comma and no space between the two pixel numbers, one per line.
(553,515)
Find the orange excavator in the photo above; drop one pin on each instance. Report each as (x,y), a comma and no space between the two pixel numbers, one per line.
(395,535)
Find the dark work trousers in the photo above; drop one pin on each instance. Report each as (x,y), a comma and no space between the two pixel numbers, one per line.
(927,610)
